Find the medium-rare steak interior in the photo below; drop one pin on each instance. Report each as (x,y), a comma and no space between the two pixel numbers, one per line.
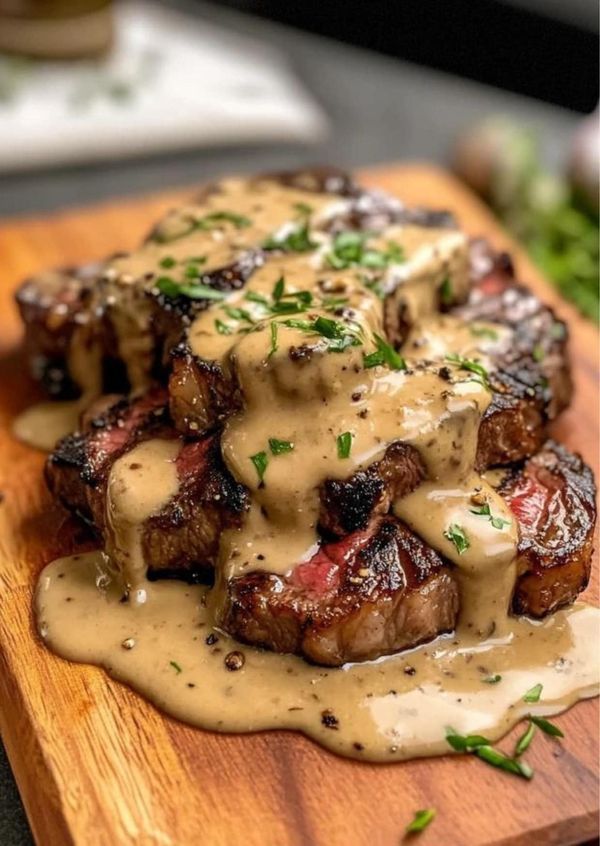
(331,428)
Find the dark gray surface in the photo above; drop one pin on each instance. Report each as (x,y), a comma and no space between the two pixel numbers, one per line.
(380,110)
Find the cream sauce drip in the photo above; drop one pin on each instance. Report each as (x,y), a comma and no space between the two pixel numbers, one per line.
(140,483)
(392,709)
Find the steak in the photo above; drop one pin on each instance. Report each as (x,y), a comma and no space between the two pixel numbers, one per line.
(370,594)
(553,498)
(381,590)
(182,539)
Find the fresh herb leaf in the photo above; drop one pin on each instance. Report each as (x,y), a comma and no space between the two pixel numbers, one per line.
(492,679)
(503,762)
(274,328)
(524,741)
(297,240)
(256,298)
(167,262)
(420,821)
(278,447)
(212,220)
(534,693)
(260,461)
(484,511)
(547,727)
(465,743)
(446,293)
(239,314)
(344,444)
(339,336)
(457,535)
(471,365)
(175,666)
(170,288)
(384,354)
(483,332)
(223,328)
(538,353)
(278,289)
(303,209)
(349,250)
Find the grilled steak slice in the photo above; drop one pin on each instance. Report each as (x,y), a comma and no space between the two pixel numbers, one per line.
(182,539)
(553,498)
(349,505)
(370,594)
(53,306)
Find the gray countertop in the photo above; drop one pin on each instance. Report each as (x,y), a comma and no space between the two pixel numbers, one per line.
(380,109)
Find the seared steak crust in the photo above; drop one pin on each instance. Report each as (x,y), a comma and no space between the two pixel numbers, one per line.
(553,498)
(371,594)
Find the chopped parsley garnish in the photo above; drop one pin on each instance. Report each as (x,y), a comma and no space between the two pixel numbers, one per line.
(192,271)
(212,220)
(349,250)
(223,328)
(492,679)
(421,821)
(344,444)
(278,447)
(546,726)
(524,741)
(457,535)
(282,302)
(175,666)
(471,365)
(534,693)
(484,511)
(385,354)
(483,332)
(446,292)
(239,314)
(373,284)
(481,747)
(296,240)
(303,209)
(274,329)
(339,336)
(167,262)
(538,353)
(260,461)
(278,289)
(197,291)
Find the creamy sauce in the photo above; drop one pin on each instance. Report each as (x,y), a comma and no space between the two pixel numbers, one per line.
(43,424)
(303,342)
(395,708)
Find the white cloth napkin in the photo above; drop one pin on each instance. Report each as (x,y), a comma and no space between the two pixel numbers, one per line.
(171,82)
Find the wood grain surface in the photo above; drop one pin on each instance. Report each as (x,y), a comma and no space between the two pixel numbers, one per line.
(97,765)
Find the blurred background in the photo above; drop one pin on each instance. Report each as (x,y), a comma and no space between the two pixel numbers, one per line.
(101,99)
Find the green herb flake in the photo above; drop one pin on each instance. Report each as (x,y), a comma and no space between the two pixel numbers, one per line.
(239,314)
(278,447)
(533,694)
(484,511)
(167,262)
(492,679)
(465,743)
(446,293)
(303,209)
(274,329)
(524,741)
(547,727)
(175,666)
(212,220)
(278,289)
(297,240)
(421,821)
(483,332)
(223,328)
(457,535)
(349,250)
(503,762)
(385,354)
(538,353)
(170,288)
(470,365)
(260,461)
(344,444)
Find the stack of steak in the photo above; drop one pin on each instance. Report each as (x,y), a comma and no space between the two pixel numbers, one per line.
(373,587)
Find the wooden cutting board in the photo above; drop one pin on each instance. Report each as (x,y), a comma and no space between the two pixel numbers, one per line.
(98,765)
